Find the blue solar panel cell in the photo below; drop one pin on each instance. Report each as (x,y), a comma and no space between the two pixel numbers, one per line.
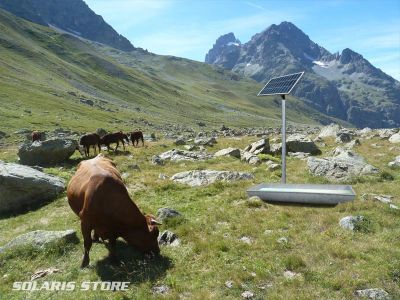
(281,85)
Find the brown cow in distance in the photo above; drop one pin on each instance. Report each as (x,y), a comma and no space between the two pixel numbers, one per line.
(136,136)
(98,196)
(87,140)
(36,136)
(114,138)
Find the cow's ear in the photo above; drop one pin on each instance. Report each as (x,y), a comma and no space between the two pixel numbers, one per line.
(154,222)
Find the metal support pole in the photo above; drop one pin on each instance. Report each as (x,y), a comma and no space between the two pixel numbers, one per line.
(283,139)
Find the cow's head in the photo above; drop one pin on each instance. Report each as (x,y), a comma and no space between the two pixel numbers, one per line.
(145,238)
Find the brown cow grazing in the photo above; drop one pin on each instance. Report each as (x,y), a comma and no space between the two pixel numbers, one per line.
(98,196)
(136,136)
(36,136)
(115,137)
(87,140)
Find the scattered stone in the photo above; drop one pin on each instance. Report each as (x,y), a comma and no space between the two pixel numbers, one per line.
(350,222)
(205,141)
(353,143)
(235,152)
(395,138)
(330,131)
(386,133)
(247,295)
(134,167)
(374,294)
(290,275)
(283,240)
(168,238)
(396,163)
(250,158)
(87,102)
(180,141)
(190,147)
(162,176)
(246,240)
(229,284)
(268,231)
(272,166)
(299,155)
(156,160)
(22,186)
(42,273)
(343,137)
(384,198)
(160,289)
(341,167)
(261,146)
(301,143)
(392,206)
(167,213)
(179,155)
(364,132)
(47,152)
(206,177)
(40,239)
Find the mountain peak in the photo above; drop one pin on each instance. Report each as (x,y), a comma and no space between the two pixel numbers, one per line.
(349,55)
(227,44)
(73,16)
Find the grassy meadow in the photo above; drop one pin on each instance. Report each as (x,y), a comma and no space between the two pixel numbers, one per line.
(331,262)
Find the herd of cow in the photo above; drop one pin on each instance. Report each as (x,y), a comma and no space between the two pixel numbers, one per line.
(97,194)
(94,140)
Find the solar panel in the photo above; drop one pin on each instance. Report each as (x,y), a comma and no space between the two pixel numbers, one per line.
(282,85)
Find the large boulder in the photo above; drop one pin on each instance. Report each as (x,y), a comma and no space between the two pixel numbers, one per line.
(396,163)
(301,143)
(344,165)
(235,152)
(206,177)
(261,146)
(40,239)
(48,152)
(22,186)
(330,131)
(395,138)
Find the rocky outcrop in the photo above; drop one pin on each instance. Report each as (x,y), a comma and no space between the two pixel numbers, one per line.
(47,152)
(343,166)
(22,186)
(206,177)
(40,239)
(395,138)
(330,130)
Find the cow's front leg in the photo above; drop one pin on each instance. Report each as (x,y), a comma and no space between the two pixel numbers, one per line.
(112,249)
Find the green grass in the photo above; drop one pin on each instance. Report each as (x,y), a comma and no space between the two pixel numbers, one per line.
(333,262)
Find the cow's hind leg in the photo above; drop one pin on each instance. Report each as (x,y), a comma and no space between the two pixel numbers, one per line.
(87,243)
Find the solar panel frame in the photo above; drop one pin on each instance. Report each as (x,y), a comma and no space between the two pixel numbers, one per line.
(278,87)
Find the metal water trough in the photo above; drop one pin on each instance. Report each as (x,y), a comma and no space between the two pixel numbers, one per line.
(329,194)
(325,194)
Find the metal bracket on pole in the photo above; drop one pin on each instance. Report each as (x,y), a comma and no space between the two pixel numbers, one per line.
(283,139)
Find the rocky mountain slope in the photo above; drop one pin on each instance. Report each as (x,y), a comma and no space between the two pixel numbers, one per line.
(344,85)
(73,16)
(50,80)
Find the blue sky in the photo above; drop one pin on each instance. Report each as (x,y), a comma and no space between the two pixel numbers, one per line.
(189,28)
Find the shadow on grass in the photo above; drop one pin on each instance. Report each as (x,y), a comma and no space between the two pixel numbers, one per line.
(295,204)
(132,266)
